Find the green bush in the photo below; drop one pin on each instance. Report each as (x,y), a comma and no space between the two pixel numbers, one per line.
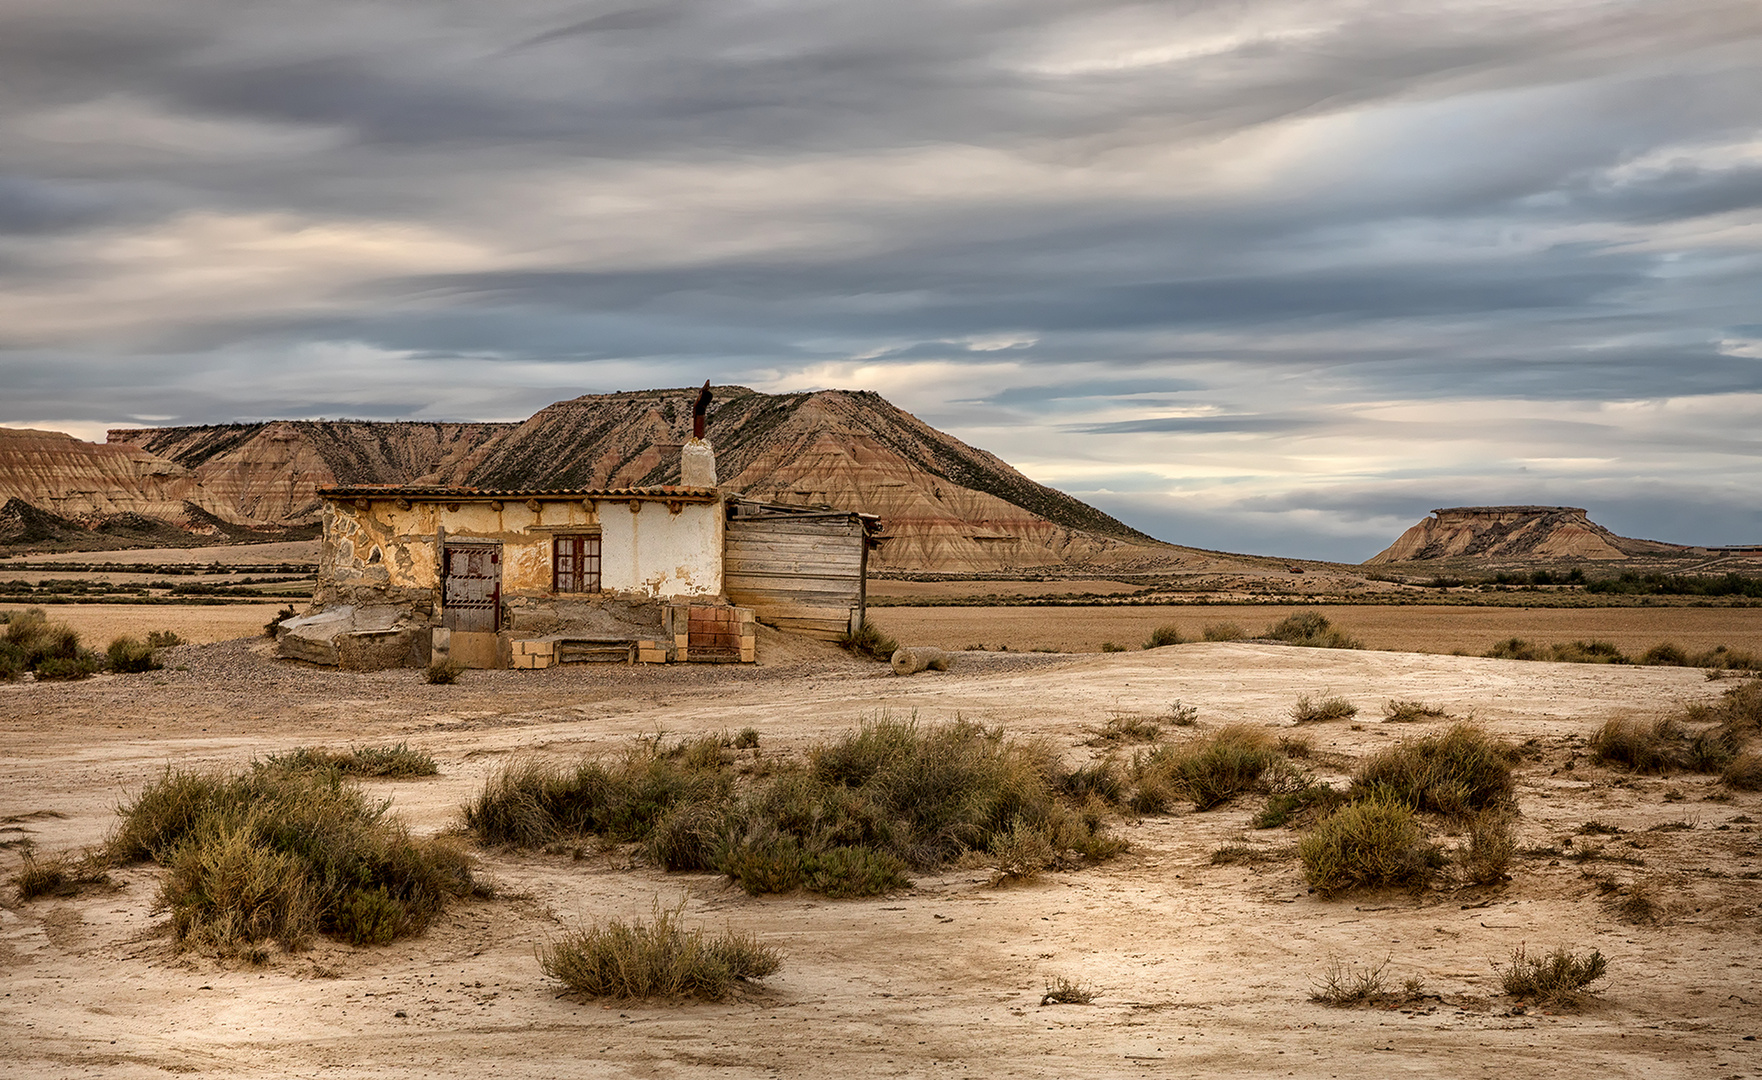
(869,641)
(1457,773)
(1163,635)
(131,654)
(1665,654)
(280,854)
(1312,630)
(1371,843)
(660,958)
(85,664)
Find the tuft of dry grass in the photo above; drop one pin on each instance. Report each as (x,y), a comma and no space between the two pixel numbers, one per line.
(1407,711)
(1063,991)
(1223,631)
(1308,711)
(1344,985)
(1557,978)
(1311,629)
(59,875)
(377,761)
(869,641)
(657,958)
(444,672)
(1164,635)
(1125,728)
(1456,773)
(1366,844)
(1207,771)
(1486,858)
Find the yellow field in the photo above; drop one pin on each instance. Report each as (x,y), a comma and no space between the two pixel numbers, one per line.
(1433,629)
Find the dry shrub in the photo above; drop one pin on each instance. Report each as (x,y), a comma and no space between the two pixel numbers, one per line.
(1344,985)
(1063,991)
(1407,711)
(1223,631)
(1164,635)
(1297,799)
(131,655)
(1744,772)
(392,762)
(1455,773)
(1312,630)
(1125,728)
(1556,979)
(659,958)
(1020,854)
(1208,771)
(1642,745)
(444,672)
(1587,652)
(1486,858)
(59,875)
(869,641)
(1638,903)
(1372,843)
(1307,711)
(1516,648)
(279,854)
(848,821)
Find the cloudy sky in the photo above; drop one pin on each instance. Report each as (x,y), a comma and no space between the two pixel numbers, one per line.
(1263,276)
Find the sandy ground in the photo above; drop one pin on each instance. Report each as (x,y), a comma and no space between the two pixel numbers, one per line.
(1199,970)
(1419,628)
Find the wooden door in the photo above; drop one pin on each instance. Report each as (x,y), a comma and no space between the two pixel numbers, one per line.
(472,598)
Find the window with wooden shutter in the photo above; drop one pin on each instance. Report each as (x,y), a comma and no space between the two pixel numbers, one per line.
(575,564)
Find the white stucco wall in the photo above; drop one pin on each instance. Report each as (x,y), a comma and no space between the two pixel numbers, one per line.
(660,553)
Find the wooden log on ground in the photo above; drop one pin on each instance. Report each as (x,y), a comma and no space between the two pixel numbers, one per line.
(911,659)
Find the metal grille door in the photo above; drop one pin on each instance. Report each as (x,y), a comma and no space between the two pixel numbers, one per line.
(472,600)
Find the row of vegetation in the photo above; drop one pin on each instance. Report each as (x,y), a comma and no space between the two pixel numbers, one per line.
(1664,654)
(51,650)
(853,818)
(1630,583)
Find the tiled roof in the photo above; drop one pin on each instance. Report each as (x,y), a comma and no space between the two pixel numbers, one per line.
(435,493)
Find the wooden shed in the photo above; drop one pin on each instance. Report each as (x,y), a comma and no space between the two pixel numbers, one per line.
(798,568)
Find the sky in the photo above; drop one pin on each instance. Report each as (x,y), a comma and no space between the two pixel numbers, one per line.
(1259,276)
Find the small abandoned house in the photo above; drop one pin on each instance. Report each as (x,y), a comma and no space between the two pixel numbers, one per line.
(409,575)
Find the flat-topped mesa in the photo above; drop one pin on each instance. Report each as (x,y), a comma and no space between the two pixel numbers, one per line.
(1560,532)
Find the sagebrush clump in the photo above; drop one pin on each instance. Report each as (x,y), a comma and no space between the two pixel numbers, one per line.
(1312,630)
(658,958)
(1206,771)
(279,854)
(1456,773)
(1372,843)
(851,819)
(869,641)
(1557,978)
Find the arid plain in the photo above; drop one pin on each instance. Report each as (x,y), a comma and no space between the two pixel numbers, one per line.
(1198,969)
